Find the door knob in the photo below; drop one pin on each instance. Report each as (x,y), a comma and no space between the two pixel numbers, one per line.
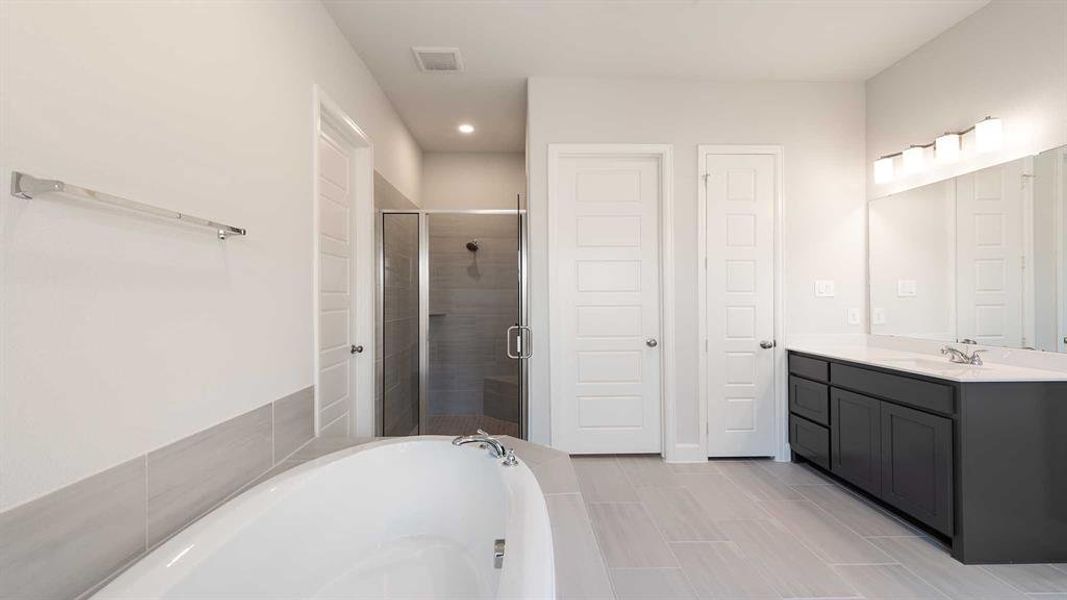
(356,349)
(767,344)
(651,342)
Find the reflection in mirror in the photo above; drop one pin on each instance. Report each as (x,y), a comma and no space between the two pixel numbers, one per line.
(980,258)
(912,263)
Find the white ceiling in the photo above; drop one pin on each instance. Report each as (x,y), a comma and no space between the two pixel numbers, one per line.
(504,43)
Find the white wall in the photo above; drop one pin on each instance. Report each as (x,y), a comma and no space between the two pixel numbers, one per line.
(468,180)
(121,334)
(1007,60)
(820,126)
(913,237)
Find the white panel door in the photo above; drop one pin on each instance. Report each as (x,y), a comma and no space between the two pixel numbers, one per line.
(335,377)
(989,255)
(605,315)
(740,194)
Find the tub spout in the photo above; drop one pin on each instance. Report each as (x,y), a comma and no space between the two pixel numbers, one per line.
(496,449)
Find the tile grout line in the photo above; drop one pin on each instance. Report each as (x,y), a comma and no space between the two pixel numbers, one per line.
(924,580)
(596,543)
(663,537)
(685,576)
(149,548)
(878,509)
(145,550)
(830,517)
(1008,583)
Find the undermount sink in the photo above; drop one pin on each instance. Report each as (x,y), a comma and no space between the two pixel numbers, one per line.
(928,363)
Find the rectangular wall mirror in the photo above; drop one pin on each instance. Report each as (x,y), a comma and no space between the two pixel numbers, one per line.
(980,258)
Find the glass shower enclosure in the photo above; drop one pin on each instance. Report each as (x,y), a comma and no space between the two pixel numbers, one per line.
(452,322)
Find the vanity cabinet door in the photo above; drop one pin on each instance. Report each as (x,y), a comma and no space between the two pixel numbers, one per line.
(856,438)
(917,464)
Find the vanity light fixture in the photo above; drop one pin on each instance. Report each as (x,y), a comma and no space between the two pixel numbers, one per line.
(988,134)
(947,147)
(883,169)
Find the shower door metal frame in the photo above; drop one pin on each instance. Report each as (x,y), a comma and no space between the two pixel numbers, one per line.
(523,308)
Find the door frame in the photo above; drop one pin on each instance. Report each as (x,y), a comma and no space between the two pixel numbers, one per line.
(664,153)
(424,302)
(779,385)
(328,115)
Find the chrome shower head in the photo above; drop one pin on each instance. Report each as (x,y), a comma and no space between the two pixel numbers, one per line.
(472,245)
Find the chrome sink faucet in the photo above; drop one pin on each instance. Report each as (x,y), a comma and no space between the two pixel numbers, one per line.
(496,449)
(960,357)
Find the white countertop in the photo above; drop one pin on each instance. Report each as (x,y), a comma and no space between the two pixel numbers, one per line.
(925,364)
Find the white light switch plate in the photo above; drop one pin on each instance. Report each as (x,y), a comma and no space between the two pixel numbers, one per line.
(878,316)
(906,288)
(824,288)
(853,316)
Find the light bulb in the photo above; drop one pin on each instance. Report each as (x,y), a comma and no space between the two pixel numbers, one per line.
(988,134)
(914,158)
(883,169)
(947,148)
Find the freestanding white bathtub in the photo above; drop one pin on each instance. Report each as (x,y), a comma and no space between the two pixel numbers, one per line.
(406,518)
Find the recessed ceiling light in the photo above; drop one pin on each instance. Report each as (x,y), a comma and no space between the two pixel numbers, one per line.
(466,128)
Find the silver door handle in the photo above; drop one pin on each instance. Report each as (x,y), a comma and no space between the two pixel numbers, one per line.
(767,344)
(356,349)
(523,342)
(651,342)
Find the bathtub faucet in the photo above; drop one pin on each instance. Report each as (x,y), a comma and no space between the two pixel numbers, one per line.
(496,449)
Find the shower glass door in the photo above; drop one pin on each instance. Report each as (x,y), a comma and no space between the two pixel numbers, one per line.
(466,287)
(473,301)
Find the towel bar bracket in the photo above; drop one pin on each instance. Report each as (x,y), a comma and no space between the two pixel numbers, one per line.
(27,186)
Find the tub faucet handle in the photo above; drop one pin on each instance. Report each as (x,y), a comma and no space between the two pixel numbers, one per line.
(510,460)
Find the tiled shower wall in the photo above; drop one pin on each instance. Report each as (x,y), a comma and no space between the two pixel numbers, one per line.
(473,300)
(400,335)
(65,543)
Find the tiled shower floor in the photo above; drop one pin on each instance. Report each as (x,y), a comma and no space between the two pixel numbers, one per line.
(760,529)
(468,424)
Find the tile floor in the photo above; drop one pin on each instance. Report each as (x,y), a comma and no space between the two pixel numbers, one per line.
(760,529)
(468,424)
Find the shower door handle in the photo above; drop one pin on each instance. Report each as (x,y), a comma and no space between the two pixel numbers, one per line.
(523,345)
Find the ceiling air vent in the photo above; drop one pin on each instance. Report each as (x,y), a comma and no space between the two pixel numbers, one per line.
(438,59)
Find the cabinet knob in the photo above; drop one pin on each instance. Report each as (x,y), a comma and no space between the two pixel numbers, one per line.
(767,344)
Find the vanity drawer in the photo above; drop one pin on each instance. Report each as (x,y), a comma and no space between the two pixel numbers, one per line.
(810,440)
(897,388)
(810,368)
(809,399)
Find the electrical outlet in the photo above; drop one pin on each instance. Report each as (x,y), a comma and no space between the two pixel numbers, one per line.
(853,316)
(824,288)
(906,288)
(878,316)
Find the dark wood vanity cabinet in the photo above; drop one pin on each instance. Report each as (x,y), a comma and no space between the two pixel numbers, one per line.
(856,439)
(977,463)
